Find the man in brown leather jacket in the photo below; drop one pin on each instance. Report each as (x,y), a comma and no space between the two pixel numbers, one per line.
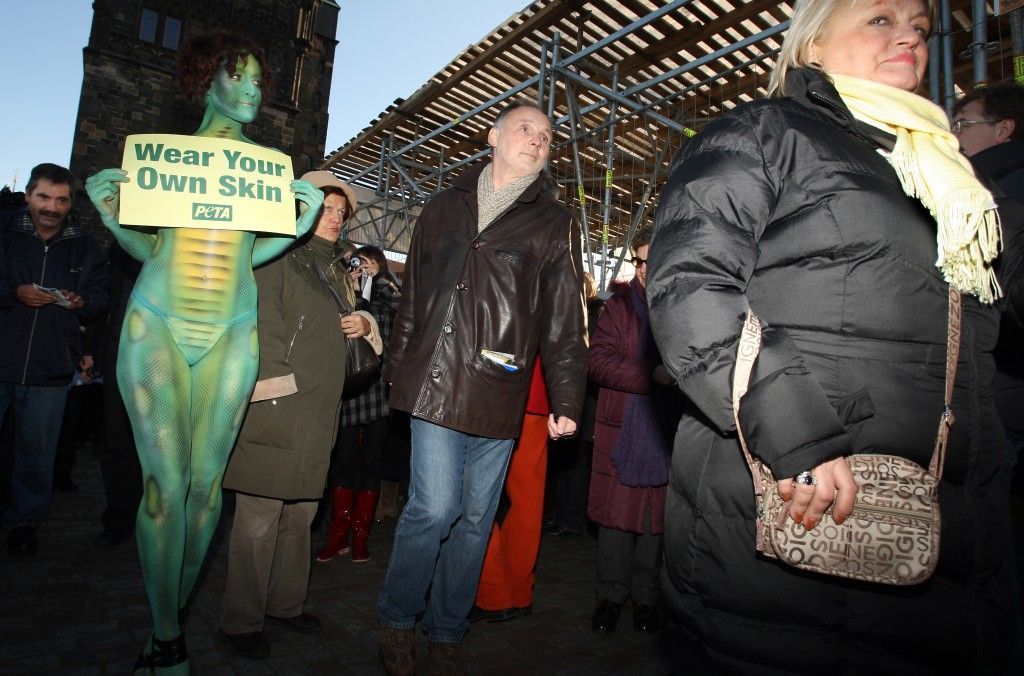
(494,273)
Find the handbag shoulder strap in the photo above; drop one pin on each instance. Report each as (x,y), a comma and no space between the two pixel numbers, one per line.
(750,346)
(746,355)
(946,420)
(343,308)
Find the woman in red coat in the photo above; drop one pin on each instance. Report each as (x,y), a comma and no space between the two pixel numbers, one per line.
(632,446)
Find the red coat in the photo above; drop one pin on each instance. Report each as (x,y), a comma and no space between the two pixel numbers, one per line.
(538,402)
(618,366)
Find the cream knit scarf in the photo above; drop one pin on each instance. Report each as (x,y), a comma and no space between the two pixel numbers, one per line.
(491,202)
(928,162)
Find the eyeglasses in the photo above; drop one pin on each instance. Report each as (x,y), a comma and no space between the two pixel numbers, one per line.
(958,125)
(637,261)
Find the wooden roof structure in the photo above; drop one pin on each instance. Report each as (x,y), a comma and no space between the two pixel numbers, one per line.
(627,82)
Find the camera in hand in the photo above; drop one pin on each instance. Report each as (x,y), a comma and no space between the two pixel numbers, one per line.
(354,262)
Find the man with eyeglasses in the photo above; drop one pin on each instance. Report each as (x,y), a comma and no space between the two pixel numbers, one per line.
(989,123)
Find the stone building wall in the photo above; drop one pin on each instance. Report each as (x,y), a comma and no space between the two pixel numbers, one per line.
(130,77)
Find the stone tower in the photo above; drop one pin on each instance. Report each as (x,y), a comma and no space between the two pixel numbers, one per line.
(130,80)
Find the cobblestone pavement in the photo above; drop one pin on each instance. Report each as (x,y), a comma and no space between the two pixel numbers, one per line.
(75,609)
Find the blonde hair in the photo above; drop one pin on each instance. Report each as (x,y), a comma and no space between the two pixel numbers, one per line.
(810,19)
(589,285)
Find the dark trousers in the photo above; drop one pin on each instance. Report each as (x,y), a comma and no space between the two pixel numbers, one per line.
(628,566)
(394,465)
(355,461)
(571,461)
(83,420)
(119,462)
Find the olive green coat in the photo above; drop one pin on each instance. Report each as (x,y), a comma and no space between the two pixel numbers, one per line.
(284,447)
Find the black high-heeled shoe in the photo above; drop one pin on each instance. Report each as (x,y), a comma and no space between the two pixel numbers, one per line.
(163,654)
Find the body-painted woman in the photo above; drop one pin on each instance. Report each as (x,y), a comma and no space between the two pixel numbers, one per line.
(188,356)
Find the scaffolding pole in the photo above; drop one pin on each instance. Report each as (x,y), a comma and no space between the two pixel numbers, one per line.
(581,193)
(946,33)
(609,176)
(1017,40)
(979,47)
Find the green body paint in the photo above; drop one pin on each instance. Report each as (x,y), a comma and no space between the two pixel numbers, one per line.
(189,355)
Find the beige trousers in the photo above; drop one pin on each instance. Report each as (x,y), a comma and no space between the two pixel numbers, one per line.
(268,562)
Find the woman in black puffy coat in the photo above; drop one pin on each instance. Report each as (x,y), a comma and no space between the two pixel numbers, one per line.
(795,207)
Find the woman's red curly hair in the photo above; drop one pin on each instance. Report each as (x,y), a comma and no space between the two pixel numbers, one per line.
(204,55)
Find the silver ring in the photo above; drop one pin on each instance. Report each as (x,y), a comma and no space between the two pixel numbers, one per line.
(805,479)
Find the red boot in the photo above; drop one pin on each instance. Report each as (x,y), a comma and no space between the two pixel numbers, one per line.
(341,518)
(362,521)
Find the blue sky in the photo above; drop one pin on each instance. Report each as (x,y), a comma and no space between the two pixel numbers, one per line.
(386,50)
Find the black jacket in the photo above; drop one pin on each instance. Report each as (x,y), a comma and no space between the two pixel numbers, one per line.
(1004,164)
(41,346)
(786,206)
(511,288)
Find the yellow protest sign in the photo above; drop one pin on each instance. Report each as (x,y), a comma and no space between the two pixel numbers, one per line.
(180,181)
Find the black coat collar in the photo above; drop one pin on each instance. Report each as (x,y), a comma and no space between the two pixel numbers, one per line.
(813,88)
(1000,160)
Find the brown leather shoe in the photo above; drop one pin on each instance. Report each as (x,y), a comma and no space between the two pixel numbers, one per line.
(397,650)
(446,659)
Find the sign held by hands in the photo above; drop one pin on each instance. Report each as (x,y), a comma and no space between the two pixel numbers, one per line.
(180,181)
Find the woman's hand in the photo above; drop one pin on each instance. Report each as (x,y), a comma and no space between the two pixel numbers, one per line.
(355,326)
(310,199)
(104,192)
(834,482)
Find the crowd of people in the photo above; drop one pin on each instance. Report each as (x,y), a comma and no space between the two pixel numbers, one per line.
(876,243)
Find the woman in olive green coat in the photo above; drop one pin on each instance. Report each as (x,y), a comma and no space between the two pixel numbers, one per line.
(279,465)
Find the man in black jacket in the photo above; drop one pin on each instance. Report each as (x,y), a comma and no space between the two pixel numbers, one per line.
(52,277)
(989,122)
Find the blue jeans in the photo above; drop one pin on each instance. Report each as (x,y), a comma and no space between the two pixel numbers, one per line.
(38,412)
(441,537)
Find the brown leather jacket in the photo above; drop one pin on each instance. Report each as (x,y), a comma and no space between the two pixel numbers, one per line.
(512,288)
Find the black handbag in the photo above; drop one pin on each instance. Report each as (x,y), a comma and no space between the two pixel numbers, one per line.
(362,364)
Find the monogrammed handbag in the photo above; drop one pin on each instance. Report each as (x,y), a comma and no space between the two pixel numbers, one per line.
(892,536)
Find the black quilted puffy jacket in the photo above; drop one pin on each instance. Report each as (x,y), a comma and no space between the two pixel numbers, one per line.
(788,207)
